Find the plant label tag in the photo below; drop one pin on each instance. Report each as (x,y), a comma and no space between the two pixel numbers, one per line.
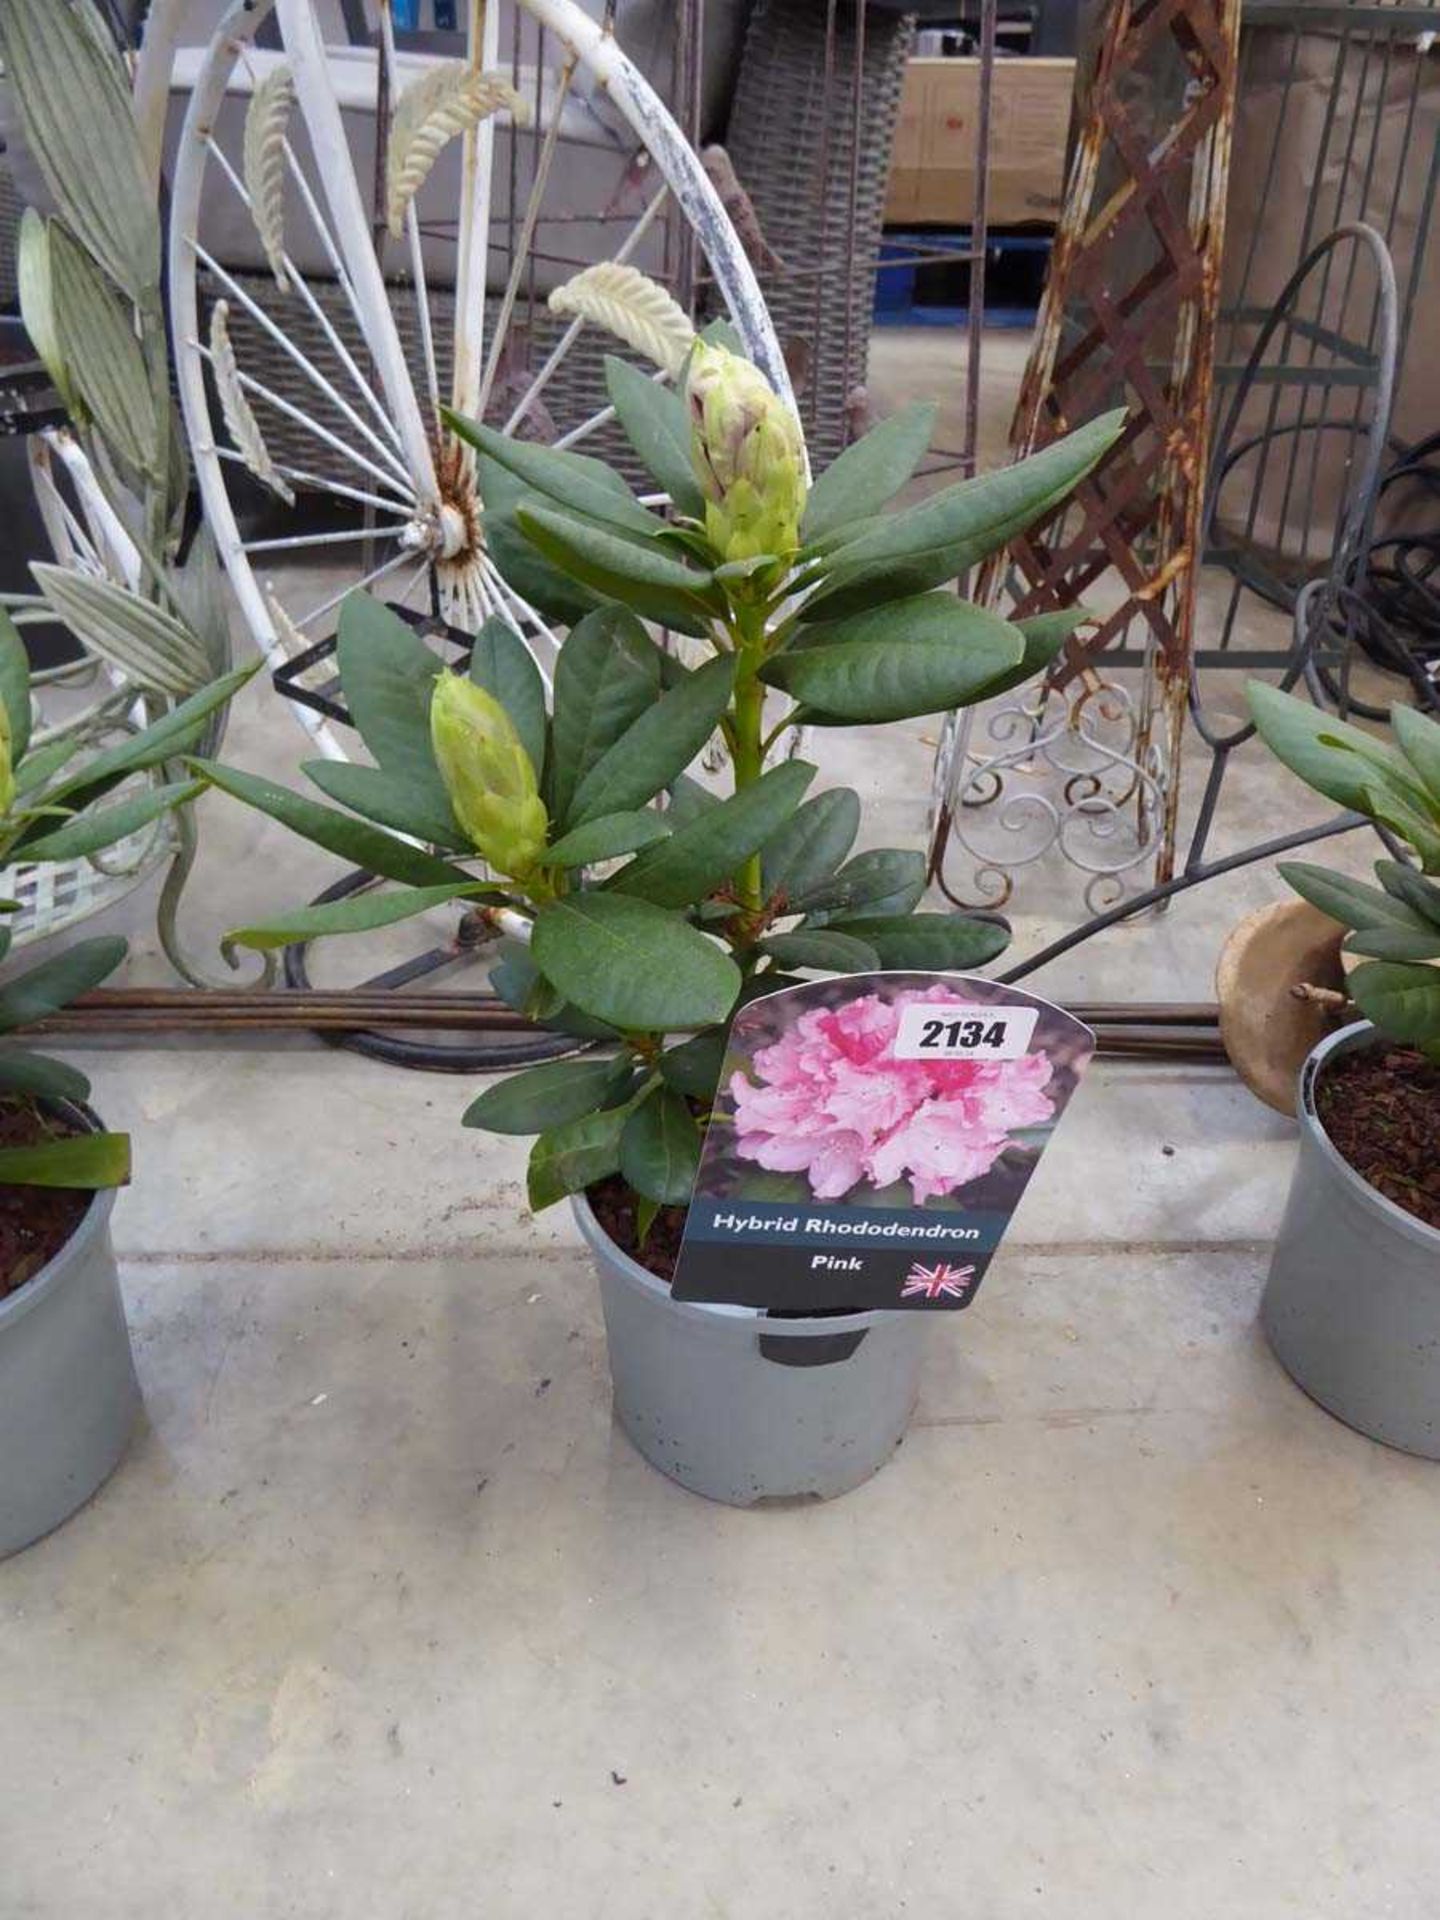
(976,1033)
(870,1139)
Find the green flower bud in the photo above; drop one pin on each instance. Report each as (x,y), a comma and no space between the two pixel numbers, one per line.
(7,771)
(488,775)
(748,454)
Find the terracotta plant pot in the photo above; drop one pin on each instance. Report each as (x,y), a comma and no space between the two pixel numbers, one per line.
(1352,1304)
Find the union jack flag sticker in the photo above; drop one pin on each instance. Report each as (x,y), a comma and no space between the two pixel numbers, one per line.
(937,1282)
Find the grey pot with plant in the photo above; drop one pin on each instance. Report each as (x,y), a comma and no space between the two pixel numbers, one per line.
(811,607)
(1352,1302)
(68,1392)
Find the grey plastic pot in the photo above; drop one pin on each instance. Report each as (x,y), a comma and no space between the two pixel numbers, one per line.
(1352,1304)
(69,1398)
(741,1407)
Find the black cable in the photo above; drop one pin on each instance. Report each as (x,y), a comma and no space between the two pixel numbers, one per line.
(1390,604)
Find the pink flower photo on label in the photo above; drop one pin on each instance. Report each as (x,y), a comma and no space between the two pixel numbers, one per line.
(834,1104)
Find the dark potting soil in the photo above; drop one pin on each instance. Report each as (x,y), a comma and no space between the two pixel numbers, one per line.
(1381,1110)
(35,1222)
(613,1205)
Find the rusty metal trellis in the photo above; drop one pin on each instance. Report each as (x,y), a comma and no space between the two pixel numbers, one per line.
(1128,318)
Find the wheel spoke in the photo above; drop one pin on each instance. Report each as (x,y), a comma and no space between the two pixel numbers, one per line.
(302,477)
(572,332)
(306,365)
(301,285)
(300,31)
(527,234)
(348,537)
(412,236)
(355,586)
(303,419)
(586,427)
(477,152)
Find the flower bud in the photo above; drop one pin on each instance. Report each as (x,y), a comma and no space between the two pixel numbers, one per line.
(487,774)
(748,455)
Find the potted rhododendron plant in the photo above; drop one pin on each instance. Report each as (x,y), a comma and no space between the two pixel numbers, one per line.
(641,909)
(1352,1304)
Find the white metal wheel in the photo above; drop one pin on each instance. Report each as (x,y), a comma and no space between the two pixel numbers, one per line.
(360,413)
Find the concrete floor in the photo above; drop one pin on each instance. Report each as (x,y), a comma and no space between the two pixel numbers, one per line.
(382,1618)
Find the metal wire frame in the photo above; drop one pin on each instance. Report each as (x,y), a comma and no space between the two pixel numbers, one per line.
(1128,314)
(1372,156)
(1318,605)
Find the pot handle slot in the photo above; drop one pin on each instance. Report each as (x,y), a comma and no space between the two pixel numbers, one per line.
(823,1350)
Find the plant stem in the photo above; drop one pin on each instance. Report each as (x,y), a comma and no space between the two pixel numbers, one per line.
(747,748)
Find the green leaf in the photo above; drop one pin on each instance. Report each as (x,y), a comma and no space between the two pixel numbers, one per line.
(1329,755)
(56,982)
(1394,811)
(571,480)
(928,544)
(364,846)
(1042,636)
(162,740)
(694,1066)
(102,359)
(883,880)
(15,686)
(698,857)
(37,306)
(356,914)
(926,941)
(642,576)
(1403,1002)
(568,1158)
(660,1148)
(923,655)
(44,763)
(867,474)
(828,950)
(1350,902)
(1395,943)
(103,826)
(504,667)
(200,591)
(1419,738)
(387,798)
(554,593)
(657,426)
(606,676)
(720,333)
(388,674)
(633,965)
(74,98)
(149,645)
(85,1160)
(688,800)
(810,845)
(22,1072)
(521,985)
(548,1096)
(607,838)
(1412,889)
(657,746)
